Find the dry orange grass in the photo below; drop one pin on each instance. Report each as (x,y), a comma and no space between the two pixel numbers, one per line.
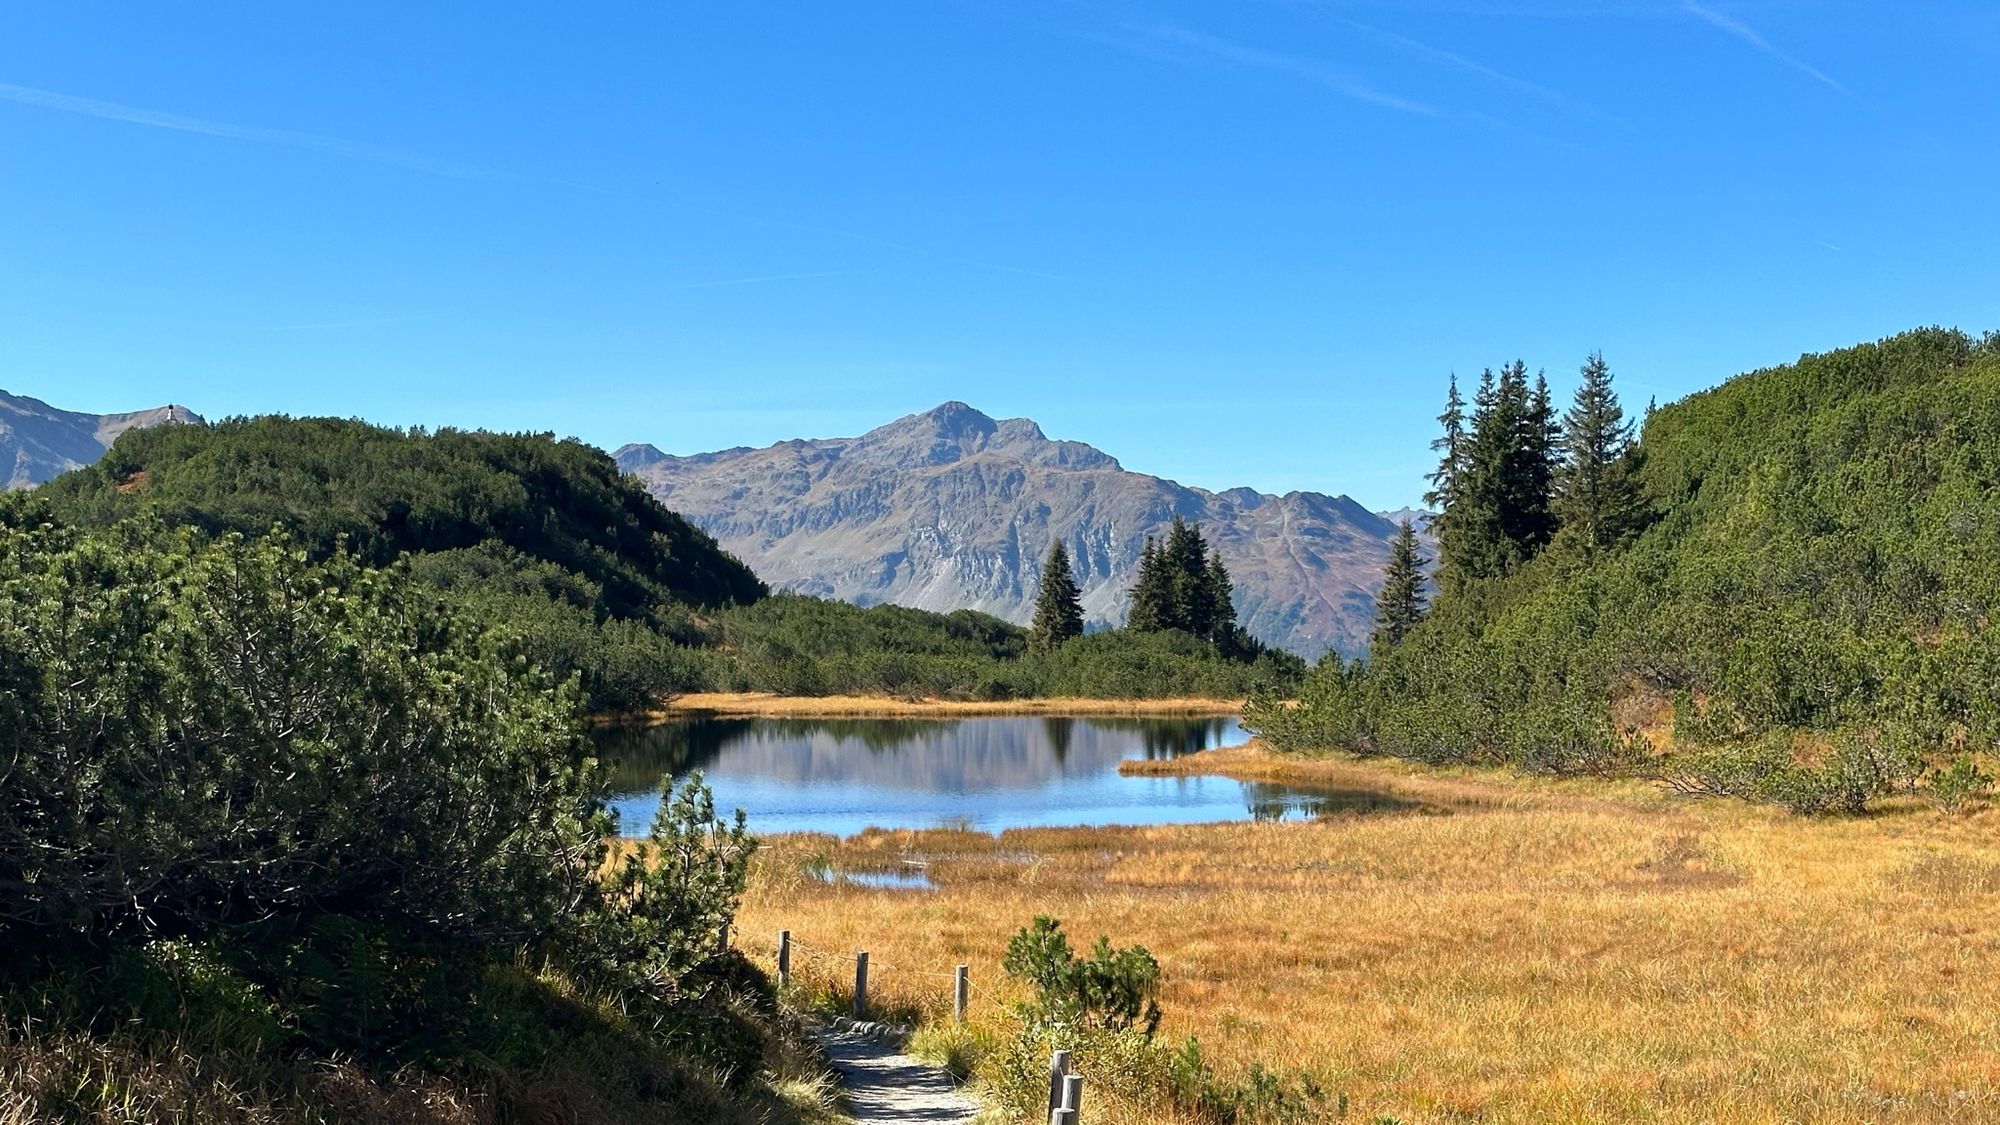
(758,704)
(1523,951)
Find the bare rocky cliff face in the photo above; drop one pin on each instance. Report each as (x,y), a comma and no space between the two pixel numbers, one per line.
(39,442)
(951,509)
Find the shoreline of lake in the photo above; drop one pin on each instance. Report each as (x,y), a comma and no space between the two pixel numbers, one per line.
(1486,786)
(846,774)
(770,705)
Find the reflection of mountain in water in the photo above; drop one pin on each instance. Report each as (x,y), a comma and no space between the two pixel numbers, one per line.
(916,754)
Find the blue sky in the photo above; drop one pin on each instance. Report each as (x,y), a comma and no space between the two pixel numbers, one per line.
(1236,243)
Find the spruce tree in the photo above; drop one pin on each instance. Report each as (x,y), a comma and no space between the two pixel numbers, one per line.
(1597,496)
(1536,455)
(1400,605)
(1222,629)
(1058,604)
(1447,482)
(1479,544)
(1192,604)
(1183,585)
(1502,515)
(1152,593)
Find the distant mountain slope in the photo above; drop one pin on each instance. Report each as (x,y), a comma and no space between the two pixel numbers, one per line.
(953,509)
(38,442)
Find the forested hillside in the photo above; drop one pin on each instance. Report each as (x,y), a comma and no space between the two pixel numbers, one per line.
(391,492)
(1793,603)
(543,537)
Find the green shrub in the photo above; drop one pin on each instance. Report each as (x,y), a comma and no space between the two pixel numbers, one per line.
(1112,989)
(206,734)
(1842,778)
(663,912)
(1958,782)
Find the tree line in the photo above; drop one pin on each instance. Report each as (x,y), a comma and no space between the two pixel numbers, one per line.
(1181,586)
(1775,588)
(1512,478)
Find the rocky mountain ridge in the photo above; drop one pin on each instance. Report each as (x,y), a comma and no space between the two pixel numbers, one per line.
(952,509)
(39,442)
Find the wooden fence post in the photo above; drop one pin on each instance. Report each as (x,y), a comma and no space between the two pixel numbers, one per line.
(1072,1098)
(784,958)
(961,993)
(860,983)
(1058,1067)
(1062,1117)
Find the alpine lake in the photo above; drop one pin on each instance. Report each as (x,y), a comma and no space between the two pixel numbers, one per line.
(840,776)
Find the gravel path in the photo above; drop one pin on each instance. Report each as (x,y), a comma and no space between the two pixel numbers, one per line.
(884,1085)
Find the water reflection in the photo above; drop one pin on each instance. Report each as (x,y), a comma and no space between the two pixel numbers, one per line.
(914,879)
(1281,802)
(842,775)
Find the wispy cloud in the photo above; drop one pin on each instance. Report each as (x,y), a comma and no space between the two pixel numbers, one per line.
(333,146)
(1173,41)
(359,150)
(1452,59)
(759,280)
(1749,35)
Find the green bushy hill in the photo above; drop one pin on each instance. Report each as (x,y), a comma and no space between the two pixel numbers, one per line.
(544,537)
(395,492)
(1804,616)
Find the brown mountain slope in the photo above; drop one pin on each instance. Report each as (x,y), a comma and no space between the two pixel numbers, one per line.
(952,509)
(39,442)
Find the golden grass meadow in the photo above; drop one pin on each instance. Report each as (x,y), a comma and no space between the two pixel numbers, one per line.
(1513,950)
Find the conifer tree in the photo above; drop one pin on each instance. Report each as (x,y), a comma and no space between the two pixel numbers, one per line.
(1058,603)
(1450,446)
(1536,453)
(1401,604)
(1597,496)
(1448,480)
(1497,511)
(1183,585)
(1479,544)
(1222,629)
(1192,606)
(1152,593)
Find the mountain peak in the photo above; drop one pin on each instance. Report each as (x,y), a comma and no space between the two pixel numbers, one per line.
(955,417)
(953,431)
(637,455)
(943,434)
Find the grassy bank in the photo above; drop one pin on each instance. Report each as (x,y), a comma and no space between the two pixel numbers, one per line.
(760,704)
(1508,950)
